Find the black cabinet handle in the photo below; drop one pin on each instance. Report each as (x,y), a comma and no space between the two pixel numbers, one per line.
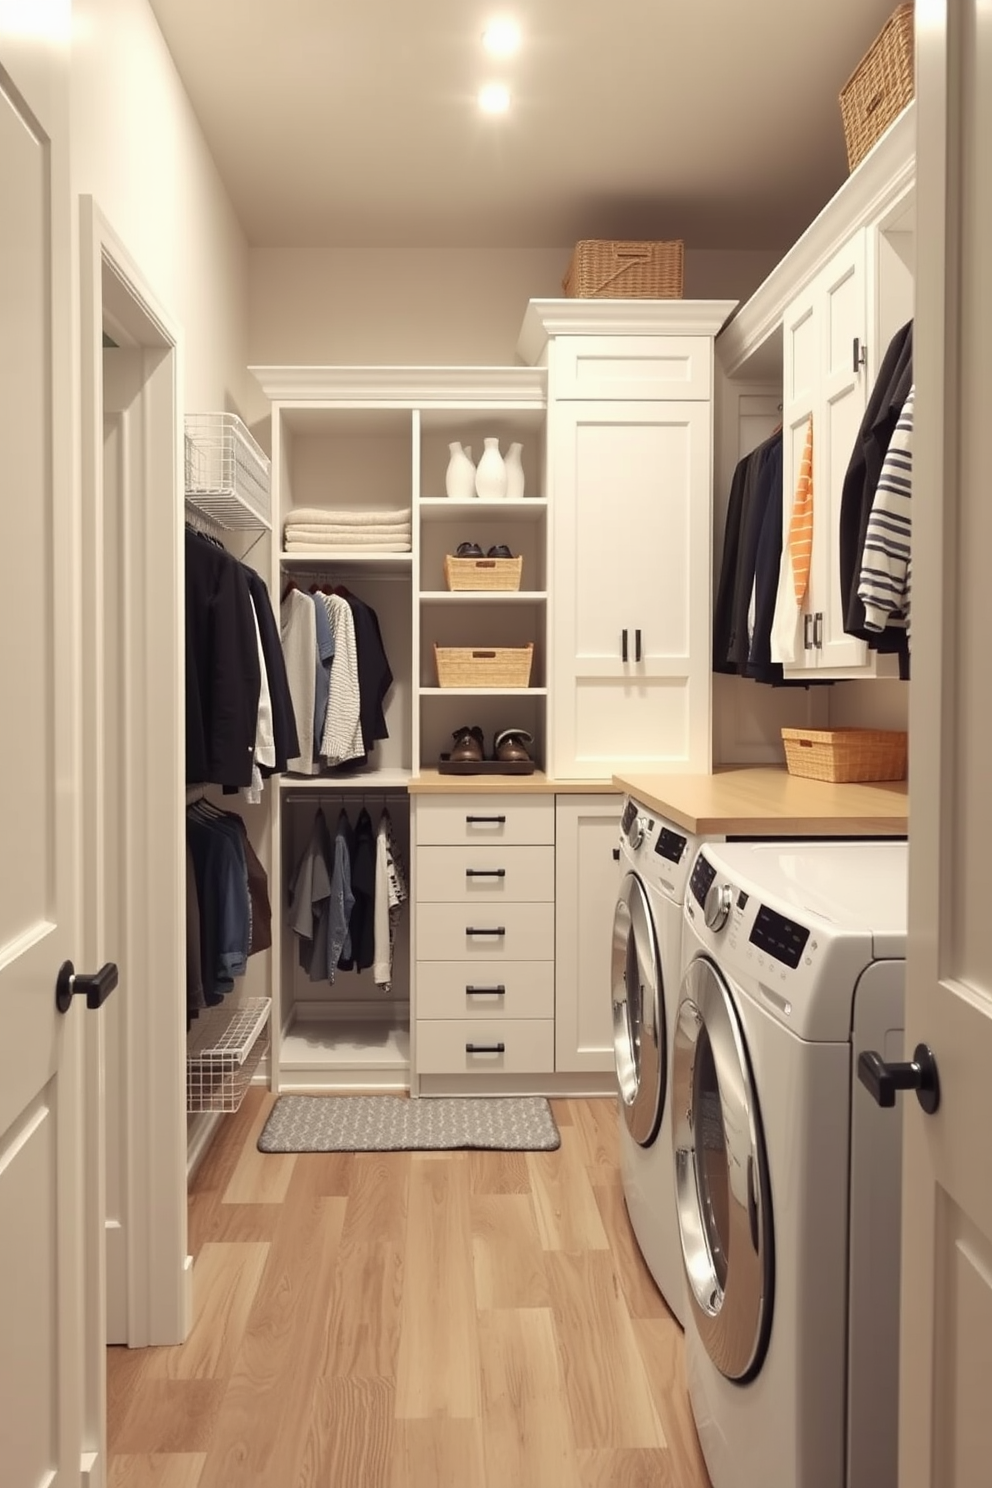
(637,645)
(807,643)
(616,855)
(95,986)
(882,1080)
(496,991)
(623,645)
(494,820)
(859,355)
(474,930)
(485,872)
(818,630)
(485,1048)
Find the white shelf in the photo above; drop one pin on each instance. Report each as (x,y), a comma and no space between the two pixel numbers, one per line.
(441,692)
(325,1044)
(483,596)
(336,557)
(365,780)
(444,509)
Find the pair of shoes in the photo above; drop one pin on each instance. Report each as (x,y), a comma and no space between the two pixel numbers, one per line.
(472,550)
(508,744)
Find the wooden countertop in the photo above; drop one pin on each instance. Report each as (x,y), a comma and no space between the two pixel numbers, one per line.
(430,783)
(769,802)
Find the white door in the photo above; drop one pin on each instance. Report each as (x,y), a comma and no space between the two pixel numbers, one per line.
(49,1358)
(946,1338)
(632,504)
(587,878)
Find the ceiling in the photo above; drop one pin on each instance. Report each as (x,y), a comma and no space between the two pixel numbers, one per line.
(355,124)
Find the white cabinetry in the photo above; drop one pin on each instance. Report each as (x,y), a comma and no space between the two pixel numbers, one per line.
(630,436)
(587,879)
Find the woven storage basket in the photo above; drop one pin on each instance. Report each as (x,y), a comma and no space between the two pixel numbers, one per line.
(482,573)
(608,269)
(880,87)
(483,666)
(846,753)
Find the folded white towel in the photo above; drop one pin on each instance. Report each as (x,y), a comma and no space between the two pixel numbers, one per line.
(385,545)
(332,528)
(307,516)
(345,534)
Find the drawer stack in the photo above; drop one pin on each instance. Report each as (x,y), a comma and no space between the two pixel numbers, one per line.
(485,935)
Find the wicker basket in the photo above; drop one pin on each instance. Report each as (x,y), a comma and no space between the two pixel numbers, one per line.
(613,270)
(880,87)
(478,666)
(482,573)
(846,753)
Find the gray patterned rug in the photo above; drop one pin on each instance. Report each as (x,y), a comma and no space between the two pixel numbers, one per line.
(391,1123)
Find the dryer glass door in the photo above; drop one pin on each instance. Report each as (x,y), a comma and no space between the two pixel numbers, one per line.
(639,1037)
(721,1176)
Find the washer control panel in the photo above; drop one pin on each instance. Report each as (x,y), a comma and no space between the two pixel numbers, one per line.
(703,874)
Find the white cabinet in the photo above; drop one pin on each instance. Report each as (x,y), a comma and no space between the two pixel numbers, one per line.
(630,488)
(631,677)
(825,377)
(587,879)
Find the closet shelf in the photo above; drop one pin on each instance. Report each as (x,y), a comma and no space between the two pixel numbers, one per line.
(224,1049)
(442,692)
(368,781)
(445,509)
(227,473)
(483,596)
(322,559)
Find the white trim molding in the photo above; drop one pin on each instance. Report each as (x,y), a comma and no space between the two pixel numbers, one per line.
(547,318)
(405,387)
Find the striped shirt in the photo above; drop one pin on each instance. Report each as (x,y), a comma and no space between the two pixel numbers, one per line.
(886,564)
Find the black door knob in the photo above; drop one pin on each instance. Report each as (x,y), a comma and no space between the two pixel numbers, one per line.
(883,1080)
(96,986)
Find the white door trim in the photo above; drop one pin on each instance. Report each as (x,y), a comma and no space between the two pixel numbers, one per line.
(114,291)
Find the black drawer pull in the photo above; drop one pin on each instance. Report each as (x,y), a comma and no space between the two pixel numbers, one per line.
(474,930)
(485,1048)
(495,820)
(497,991)
(485,872)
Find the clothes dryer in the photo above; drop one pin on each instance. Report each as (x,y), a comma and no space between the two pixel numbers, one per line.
(787,1173)
(656,856)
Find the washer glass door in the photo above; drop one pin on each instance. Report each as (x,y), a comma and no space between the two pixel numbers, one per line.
(639,1037)
(721,1177)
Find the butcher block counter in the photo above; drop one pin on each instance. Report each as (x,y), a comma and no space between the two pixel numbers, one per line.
(760,802)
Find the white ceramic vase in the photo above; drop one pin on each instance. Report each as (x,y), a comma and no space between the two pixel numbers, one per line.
(490,475)
(514,472)
(459,478)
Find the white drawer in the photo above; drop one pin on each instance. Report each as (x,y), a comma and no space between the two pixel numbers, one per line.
(485,874)
(639,367)
(452,820)
(456,1046)
(502,932)
(485,989)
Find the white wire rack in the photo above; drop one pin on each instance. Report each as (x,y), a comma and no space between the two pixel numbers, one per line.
(227,472)
(223,1051)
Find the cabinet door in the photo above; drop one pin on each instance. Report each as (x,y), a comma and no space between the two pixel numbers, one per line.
(642,367)
(587,878)
(843,396)
(632,510)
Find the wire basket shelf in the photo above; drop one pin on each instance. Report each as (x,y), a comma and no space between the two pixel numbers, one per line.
(227,473)
(223,1052)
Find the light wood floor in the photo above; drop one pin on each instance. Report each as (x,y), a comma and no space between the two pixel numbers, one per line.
(411,1320)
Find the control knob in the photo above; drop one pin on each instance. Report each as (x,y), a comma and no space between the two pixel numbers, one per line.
(719,898)
(638,831)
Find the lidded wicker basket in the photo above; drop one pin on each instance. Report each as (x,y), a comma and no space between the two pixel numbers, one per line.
(880,86)
(612,269)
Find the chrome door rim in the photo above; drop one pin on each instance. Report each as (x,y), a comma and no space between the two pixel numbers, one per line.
(732,1312)
(639,1036)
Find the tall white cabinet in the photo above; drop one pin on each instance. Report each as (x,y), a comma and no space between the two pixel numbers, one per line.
(629,477)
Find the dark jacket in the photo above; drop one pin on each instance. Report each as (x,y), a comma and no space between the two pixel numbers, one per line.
(284,733)
(223,678)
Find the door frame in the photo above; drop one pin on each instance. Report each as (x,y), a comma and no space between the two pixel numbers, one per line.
(113,291)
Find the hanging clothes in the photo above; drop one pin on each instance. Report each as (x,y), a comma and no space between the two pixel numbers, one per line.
(390,895)
(284,737)
(232,918)
(886,565)
(309,898)
(375,677)
(752,487)
(223,677)
(797,552)
(887,400)
(361,926)
(322,669)
(342,738)
(298,631)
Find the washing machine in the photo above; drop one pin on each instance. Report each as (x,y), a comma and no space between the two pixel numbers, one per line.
(787,1173)
(656,856)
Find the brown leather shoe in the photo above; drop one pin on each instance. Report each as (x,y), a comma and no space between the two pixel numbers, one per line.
(468,743)
(511,744)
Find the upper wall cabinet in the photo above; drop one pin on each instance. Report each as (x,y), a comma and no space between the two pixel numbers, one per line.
(630,461)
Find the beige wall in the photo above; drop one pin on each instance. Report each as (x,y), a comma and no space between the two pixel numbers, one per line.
(138,150)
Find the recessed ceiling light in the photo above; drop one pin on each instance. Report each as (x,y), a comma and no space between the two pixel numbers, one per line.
(494,98)
(501,38)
